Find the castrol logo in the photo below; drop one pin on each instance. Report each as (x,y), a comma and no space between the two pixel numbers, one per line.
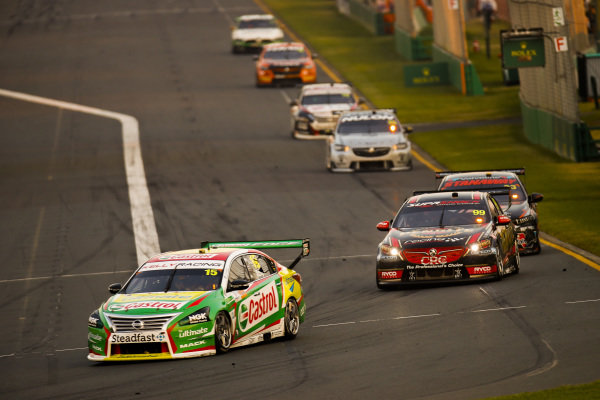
(258,306)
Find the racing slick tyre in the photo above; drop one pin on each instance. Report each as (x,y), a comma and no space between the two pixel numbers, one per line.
(516,261)
(538,247)
(223,336)
(499,266)
(291,319)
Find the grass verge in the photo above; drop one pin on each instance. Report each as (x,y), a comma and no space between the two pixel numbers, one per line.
(371,63)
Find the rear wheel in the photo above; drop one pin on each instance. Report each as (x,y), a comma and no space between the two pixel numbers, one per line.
(223,336)
(291,320)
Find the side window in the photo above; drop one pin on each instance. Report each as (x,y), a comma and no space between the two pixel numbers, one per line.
(494,208)
(238,270)
(260,265)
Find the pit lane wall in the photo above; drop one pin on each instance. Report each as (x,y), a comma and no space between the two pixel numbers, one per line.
(377,17)
(461,73)
(568,139)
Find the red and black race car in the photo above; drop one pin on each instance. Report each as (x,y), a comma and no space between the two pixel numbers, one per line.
(518,205)
(447,237)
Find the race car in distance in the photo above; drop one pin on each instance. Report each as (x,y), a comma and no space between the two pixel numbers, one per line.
(252,32)
(368,139)
(285,62)
(199,302)
(447,237)
(519,206)
(316,110)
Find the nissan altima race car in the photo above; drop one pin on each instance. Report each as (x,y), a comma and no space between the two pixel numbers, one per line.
(318,107)
(368,139)
(285,62)
(521,207)
(199,302)
(252,32)
(447,237)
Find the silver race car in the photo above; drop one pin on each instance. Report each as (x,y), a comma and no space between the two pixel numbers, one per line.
(372,139)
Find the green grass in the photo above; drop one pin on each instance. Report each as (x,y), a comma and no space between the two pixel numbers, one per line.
(589,391)
(371,63)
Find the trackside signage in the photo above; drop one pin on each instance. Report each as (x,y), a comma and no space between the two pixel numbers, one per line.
(429,74)
(522,49)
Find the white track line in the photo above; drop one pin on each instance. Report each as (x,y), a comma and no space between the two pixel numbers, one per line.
(144,227)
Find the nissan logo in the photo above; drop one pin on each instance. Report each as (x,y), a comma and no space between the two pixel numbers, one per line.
(432,252)
(137,324)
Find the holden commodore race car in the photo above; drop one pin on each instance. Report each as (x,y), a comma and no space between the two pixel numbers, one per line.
(252,32)
(368,139)
(286,62)
(318,107)
(521,207)
(200,302)
(447,237)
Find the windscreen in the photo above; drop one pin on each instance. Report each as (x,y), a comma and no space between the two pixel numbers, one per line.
(257,23)
(373,126)
(331,98)
(295,53)
(174,280)
(442,213)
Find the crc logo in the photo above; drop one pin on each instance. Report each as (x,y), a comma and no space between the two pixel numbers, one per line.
(482,270)
(433,260)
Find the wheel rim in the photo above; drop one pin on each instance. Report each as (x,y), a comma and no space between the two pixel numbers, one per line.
(500,265)
(223,332)
(292,317)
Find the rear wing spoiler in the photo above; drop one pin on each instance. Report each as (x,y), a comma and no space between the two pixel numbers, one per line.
(494,191)
(442,174)
(303,244)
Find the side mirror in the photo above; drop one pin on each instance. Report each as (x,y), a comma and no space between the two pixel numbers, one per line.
(115,288)
(293,103)
(535,197)
(383,226)
(238,284)
(408,129)
(502,220)
(361,101)
(315,56)
(255,57)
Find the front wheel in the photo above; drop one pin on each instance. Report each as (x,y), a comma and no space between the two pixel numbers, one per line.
(291,320)
(223,336)
(499,266)
(517,260)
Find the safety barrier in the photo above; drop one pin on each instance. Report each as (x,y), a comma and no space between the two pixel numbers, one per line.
(568,139)
(412,48)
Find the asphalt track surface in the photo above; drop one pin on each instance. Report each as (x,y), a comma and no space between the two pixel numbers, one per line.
(220,165)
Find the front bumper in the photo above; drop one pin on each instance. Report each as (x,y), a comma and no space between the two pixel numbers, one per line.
(363,158)
(174,342)
(391,271)
(268,77)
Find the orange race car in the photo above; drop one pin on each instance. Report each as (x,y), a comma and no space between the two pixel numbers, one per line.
(286,62)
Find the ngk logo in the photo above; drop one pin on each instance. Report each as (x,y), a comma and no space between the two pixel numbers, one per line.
(429,260)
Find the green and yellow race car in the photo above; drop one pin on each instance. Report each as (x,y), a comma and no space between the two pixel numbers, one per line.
(200,302)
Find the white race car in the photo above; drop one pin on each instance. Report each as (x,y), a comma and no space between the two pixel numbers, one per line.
(369,139)
(253,31)
(315,112)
